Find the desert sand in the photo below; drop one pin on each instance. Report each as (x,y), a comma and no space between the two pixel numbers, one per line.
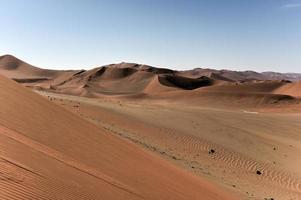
(50,153)
(246,151)
(131,131)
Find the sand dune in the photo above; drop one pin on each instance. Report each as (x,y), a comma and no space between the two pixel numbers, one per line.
(155,86)
(228,97)
(48,153)
(126,79)
(292,89)
(29,75)
(136,80)
(12,67)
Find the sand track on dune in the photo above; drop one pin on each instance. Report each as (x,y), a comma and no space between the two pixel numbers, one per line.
(63,158)
(19,183)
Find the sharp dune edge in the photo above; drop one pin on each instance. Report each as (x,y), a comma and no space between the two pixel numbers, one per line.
(131,131)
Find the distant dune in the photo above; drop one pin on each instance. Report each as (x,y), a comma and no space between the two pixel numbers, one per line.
(292,89)
(133,80)
(12,67)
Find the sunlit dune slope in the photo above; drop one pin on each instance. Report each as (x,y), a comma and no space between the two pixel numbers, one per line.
(293,89)
(27,74)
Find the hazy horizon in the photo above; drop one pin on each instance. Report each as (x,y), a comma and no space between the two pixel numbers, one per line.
(236,35)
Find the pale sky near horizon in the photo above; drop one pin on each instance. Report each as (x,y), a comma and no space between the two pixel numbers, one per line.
(260,35)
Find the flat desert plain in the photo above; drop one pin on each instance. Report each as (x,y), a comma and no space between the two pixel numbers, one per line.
(130,131)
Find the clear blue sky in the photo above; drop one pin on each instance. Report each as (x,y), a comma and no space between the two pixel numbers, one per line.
(258,35)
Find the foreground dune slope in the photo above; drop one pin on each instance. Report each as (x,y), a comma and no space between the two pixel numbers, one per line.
(47,152)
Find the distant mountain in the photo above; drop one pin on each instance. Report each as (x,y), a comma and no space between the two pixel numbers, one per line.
(283,76)
(242,75)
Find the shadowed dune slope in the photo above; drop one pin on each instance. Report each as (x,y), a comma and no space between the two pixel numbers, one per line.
(155,87)
(47,152)
(184,82)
